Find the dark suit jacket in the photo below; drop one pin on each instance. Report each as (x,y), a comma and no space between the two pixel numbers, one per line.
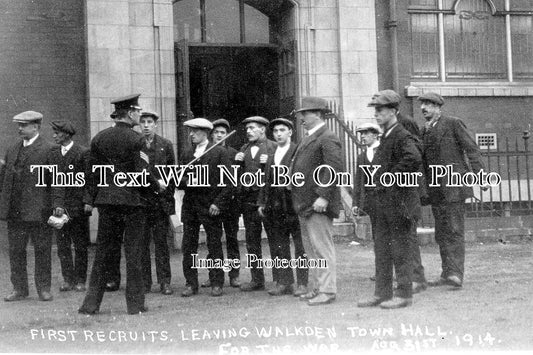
(163,155)
(363,196)
(277,200)
(449,143)
(397,153)
(199,199)
(248,195)
(70,198)
(322,147)
(34,201)
(409,124)
(119,146)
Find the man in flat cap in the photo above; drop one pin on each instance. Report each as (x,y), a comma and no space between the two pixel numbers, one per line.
(391,99)
(230,217)
(364,197)
(397,210)
(446,141)
(71,157)
(275,205)
(121,208)
(316,205)
(26,207)
(253,157)
(159,206)
(203,206)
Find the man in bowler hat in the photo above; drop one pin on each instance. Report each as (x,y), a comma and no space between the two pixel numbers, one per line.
(316,205)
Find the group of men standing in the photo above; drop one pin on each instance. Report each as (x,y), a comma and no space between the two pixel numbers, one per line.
(395,210)
(130,216)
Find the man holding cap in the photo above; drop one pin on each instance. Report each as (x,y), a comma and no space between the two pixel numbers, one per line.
(121,208)
(26,208)
(203,206)
(159,206)
(275,204)
(71,157)
(253,157)
(316,205)
(446,141)
(230,217)
(397,209)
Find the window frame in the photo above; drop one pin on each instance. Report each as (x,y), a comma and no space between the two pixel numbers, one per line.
(440,11)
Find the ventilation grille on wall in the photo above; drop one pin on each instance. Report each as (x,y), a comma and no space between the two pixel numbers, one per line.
(487,140)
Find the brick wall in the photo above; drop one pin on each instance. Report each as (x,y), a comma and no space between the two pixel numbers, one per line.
(42,64)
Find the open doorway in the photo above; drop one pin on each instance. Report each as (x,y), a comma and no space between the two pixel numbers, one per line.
(234,59)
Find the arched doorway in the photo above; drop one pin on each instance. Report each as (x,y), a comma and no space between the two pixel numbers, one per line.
(234,59)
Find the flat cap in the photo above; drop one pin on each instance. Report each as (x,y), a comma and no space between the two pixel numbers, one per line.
(256,119)
(311,103)
(369,126)
(385,98)
(432,97)
(283,121)
(200,123)
(151,114)
(28,117)
(63,126)
(126,102)
(221,122)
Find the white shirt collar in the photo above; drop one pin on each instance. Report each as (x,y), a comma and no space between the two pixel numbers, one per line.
(316,128)
(280,153)
(28,142)
(67,147)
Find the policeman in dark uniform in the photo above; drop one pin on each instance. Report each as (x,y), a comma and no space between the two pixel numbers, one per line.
(121,208)
(253,157)
(203,206)
(230,217)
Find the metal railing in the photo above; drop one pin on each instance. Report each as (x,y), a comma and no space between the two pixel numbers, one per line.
(510,160)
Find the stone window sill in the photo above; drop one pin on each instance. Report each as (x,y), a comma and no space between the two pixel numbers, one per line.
(475,89)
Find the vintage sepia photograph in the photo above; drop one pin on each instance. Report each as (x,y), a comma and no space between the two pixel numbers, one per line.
(266,176)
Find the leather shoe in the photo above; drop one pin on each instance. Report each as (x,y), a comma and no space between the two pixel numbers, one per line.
(280,290)
(87,311)
(234,282)
(189,291)
(206,283)
(396,302)
(15,296)
(300,290)
(454,281)
(419,287)
(80,287)
(371,302)
(140,310)
(438,282)
(252,286)
(307,296)
(66,286)
(111,286)
(45,296)
(216,291)
(166,289)
(322,298)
